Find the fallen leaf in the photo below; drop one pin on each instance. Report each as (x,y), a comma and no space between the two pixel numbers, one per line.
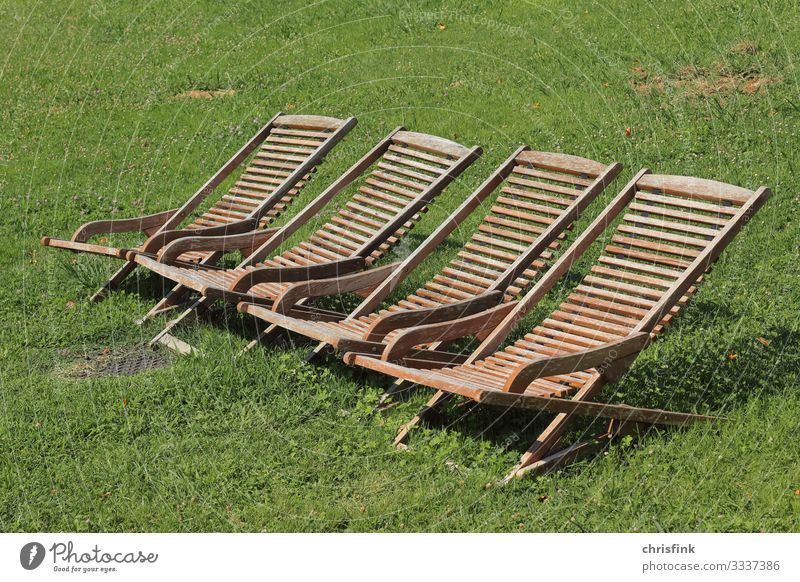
(732,356)
(763,341)
(797,491)
(70,305)
(441,26)
(627,132)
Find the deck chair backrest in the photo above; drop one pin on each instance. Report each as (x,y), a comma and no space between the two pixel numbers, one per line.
(672,230)
(537,191)
(407,171)
(410,170)
(287,150)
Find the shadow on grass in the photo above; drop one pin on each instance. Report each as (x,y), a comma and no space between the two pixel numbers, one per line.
(704,381)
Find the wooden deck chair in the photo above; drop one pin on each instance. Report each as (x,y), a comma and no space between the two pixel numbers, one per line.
(673,229)
(541,195)
(407,171)
(289,149)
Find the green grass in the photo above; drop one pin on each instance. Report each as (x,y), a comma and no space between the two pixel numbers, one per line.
(91,126)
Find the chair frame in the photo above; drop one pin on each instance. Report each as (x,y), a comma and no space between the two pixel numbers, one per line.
(162,227)
(610,360)
(358,261)
(597,177)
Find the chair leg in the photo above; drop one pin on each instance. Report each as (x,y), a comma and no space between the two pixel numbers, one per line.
(114,282)
(560,458)
(169,302)
(550,436)
(429,409)
(164,337)
(321,350)
(565,456)
(263,337)
(396,388)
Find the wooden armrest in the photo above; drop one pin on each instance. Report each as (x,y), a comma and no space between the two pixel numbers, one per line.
(324,287)
(292,274)
(444,331)
(246,240)
(159,240)
(600,357)
(137,224)
(414,317)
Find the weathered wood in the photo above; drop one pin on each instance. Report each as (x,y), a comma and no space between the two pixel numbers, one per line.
(696,188)
(346,283)
(291,274)
(601,356)
(563,163)
(411,318)
(224,213)
(369,227)
(595,335)
(228,243)
(432,143)
(406,339)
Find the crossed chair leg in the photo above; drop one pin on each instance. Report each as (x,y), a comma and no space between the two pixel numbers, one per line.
(545,454)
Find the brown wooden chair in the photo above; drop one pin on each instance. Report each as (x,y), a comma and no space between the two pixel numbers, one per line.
(289,148)
(541,195)
(673,229)
(402,175)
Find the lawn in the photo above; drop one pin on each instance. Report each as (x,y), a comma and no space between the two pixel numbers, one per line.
(126,108)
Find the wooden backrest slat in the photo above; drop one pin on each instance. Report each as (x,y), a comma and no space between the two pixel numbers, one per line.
(521,226)
(433,172)
(696,189)
(379,184)
(685,203)
(640,219)
(440,146)
(525,205)
(406,187)
(572,193)
(565,163)
(538,196)
(554,177)
(381,195)
(668,236)
(401,171)
(438,161)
